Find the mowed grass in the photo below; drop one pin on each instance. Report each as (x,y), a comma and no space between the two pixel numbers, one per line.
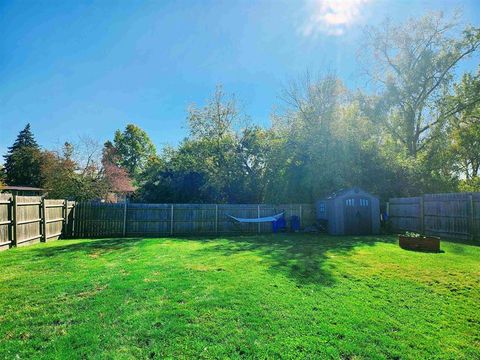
(273,296)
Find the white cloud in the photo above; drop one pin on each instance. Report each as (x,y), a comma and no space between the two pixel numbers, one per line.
(332,17)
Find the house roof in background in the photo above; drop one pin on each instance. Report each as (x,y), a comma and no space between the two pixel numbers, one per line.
(22,188)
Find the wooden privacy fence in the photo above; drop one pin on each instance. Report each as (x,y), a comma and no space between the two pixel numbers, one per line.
(130,219)
(26,220)
(455,215)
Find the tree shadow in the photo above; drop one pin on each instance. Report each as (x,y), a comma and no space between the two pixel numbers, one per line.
(460,241)
(92,246)
(301,257)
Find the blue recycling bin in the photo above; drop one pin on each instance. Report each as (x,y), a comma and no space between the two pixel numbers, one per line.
(279,225)
(295,223)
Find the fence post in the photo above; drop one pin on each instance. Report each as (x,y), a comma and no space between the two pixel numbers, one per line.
(171,220)
(258,212)
(124,229)
(300,216)
(386,219)
(422,216)
(216,218)
(14,220)
(74,207)
(10,222)
(65,220)
(44,220)
(471,218)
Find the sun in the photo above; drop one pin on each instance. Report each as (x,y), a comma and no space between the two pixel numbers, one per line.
(332,17)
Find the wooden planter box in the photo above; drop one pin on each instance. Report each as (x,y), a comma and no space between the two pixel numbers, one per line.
(421,243)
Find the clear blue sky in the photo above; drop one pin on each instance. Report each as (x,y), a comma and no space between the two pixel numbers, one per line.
(76,68)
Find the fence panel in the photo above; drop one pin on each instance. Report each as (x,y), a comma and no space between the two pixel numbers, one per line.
(54,219)
(5,221)
(476,215)
(147,219)
(404,214)
(102,219)
(27,213)
(98,220)
(447,215)
(454,215)
(29,219)
(26,220)
(193,219)
(69,219)
(226,225)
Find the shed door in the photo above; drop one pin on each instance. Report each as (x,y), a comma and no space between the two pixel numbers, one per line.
(358,216)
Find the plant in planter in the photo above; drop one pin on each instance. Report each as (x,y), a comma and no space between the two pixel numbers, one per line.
(419,242)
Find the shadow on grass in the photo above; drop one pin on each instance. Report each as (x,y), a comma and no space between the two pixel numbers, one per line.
(301,257)
(425,251)
(470,242)
(90,246)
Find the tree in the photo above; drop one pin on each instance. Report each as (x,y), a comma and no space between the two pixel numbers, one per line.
(465,147)
(2,176)
(87,155)
(215,146)
(212,134)
(464,127)
(217,119)
(414,63)
(23,160)
(470,185)
(253,150)
(305,156)
(74,172)
(116,177)
(167,181)
(58,174)
(223,159)
(133,149)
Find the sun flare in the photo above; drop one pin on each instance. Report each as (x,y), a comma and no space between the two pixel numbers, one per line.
(332,17)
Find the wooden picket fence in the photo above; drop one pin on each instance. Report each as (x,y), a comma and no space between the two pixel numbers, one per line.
(131,219)
(26,220)
(454,215)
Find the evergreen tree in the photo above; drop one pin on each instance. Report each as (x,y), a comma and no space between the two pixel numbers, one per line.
(23,160)
(2,175)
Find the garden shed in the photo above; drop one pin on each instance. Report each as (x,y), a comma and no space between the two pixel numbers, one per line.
(350,212)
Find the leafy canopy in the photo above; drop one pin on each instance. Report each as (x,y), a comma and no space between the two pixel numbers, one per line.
(133,148)
(413,64)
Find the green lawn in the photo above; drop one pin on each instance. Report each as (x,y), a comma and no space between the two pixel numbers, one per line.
(288,296)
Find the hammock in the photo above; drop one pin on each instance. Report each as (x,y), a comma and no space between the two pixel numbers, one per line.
(257,220)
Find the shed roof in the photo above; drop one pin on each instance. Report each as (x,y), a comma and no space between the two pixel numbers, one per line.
(342,192)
